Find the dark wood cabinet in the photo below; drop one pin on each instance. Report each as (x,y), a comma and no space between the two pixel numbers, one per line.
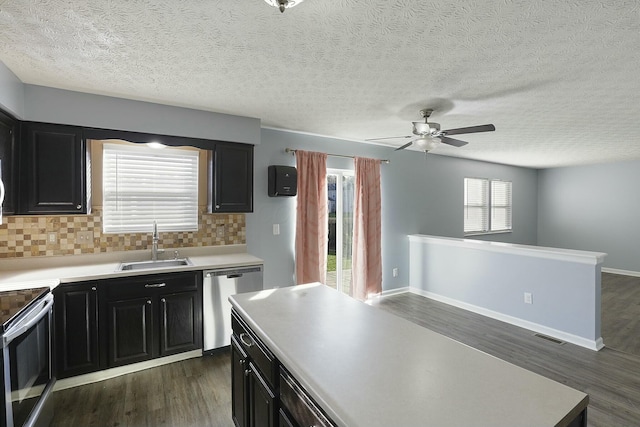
(53,169)
(152,316)
(76,329)
(261,402)
(180,322)
(232,172)
(239,396)
(254,401)
(130,330)
(9,136)
(263,392)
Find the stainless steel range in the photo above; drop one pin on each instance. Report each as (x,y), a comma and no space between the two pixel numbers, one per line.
(27,373)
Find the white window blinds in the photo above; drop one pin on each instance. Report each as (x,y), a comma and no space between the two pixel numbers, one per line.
(476,203)
(500,205)
(141,185)
(487,205)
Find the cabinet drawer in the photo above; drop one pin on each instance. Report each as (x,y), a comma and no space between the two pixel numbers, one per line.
(145,285)
(257,351)
(301,407)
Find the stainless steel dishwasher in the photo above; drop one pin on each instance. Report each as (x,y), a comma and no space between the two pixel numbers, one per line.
(217,287)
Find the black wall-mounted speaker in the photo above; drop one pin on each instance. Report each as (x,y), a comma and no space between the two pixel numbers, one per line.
(283,181)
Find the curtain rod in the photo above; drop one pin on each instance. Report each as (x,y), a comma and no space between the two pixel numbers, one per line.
(293,151)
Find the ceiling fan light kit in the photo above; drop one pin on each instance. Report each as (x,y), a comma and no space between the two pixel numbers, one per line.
(283,4)
(429,135)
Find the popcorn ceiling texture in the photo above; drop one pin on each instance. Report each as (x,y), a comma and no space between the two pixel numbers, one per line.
(558,78)
(26,236)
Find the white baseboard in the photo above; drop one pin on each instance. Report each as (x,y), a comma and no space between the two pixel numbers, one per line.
(595,345)
(121,370)
(622,272)
(394,291)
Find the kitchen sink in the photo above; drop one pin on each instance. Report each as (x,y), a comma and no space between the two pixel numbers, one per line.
(152,265)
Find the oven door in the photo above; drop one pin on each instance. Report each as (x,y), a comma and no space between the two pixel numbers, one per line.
(28,371)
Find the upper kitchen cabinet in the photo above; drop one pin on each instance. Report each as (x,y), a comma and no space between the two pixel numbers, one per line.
(232,171)
(9,128)
(53,176)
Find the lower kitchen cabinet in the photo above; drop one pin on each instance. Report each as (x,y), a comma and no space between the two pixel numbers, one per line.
(114,322)
(130,331)
(180,322)
(152,316)
(253,390)
(76,329)
(263,392)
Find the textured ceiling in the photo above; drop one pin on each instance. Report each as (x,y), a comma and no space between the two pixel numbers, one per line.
(558,78)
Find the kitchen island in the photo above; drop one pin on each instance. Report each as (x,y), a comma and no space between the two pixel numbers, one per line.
(365,367)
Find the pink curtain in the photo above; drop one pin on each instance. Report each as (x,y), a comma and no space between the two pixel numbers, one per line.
(366,268)
(311,217)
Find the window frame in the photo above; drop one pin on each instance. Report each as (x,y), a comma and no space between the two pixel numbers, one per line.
(489,207)
(187,194)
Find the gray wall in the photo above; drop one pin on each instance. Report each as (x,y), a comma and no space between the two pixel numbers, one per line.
(592,208)
(419,195)
(492,281)
(51,105)
(11,92)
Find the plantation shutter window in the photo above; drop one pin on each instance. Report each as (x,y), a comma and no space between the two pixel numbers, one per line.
(142,185)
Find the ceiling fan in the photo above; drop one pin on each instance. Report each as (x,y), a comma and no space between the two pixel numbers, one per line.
(429,135)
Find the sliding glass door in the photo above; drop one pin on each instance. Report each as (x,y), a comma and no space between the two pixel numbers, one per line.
(340,194)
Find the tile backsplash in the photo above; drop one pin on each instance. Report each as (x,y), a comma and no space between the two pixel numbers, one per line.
(37,236)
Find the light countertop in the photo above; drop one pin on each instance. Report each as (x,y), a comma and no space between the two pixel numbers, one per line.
(50,271)
(366,367)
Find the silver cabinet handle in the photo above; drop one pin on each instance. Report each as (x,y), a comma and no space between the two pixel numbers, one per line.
(93,288)
(164,301)
(217,206)
(78,206)
(149,301)
(247,372)
(246,339)
(155,285)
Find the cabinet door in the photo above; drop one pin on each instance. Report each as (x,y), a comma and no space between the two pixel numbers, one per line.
(262,401)
(130,331)
(8,156)
(54,175)
(233,178)
(76,317)
(238,384)
(180,325)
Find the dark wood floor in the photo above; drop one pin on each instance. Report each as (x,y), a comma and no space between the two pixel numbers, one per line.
(191,393)
(197,392)
(621,312)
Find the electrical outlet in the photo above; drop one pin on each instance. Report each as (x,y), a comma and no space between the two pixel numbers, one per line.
(84,237)
(276,229)
(395,272)
(220,231)
(528,298)
(52,238)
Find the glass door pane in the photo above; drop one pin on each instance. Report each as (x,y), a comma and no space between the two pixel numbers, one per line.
(347,232)
(340,184)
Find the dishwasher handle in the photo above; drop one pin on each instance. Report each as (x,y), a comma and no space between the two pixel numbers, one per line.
(233,273)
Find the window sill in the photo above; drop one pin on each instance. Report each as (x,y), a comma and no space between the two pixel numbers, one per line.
(484,233)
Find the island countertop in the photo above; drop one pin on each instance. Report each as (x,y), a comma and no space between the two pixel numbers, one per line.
(366,367)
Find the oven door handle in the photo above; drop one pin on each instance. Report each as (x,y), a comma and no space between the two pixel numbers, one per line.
(32,318)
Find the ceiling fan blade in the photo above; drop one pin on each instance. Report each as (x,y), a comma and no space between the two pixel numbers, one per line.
(390,137)
(404,146)
(470,129)
(451,141)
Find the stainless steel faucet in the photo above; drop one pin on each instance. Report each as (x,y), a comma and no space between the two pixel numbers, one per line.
(154,243)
